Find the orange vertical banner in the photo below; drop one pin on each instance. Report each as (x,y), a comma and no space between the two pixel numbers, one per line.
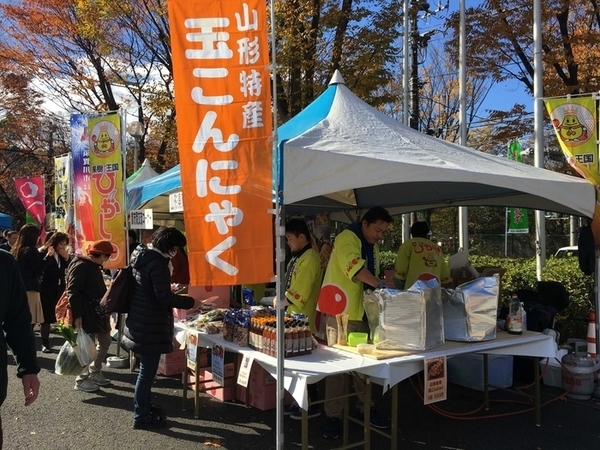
(106,182)
(224,124)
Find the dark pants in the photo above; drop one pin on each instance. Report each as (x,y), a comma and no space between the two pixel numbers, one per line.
(142,399)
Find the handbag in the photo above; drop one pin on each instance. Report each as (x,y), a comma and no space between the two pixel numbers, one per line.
(62,311)
(99,309)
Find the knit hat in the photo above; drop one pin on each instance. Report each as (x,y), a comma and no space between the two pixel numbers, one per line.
(101,248)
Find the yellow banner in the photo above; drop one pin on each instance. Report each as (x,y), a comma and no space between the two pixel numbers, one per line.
(62,191)
(574,122)
(224,126)
(106,173)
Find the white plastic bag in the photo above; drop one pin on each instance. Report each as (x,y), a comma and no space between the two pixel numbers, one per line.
(87,348)
(68,360)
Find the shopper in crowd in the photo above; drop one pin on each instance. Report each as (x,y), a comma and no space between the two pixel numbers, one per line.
(53,282)
(11,239)
(85,287)
(181,268)
(302,280)
(352,268)
(420,259)
(32,265)
(3,236)
(17,334)
(149,325)
(132,241)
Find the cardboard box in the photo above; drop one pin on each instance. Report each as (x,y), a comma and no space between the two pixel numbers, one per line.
(174,356)
(225,394)
(467,370)
(261,397)
(171,368)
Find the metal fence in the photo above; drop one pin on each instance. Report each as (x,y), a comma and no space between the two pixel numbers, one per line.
(499,245)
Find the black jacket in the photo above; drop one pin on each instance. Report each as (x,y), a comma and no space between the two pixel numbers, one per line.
(149,324)
(16,323)
(85,283)
(53,278)
(32,264)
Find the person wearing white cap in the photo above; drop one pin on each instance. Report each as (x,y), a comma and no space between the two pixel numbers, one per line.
(85,287)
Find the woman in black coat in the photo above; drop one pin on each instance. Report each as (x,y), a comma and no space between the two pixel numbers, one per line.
(31,265)
(53,282)
(149,325)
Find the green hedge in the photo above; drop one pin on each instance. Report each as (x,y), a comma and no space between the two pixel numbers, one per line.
(521,274)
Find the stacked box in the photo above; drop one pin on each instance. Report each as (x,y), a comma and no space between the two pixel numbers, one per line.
(262,390)
(171,363)
(223,393)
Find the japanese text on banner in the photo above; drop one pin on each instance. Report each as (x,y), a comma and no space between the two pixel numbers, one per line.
(220,61)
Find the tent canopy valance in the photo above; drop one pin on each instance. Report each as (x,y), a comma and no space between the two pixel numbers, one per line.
(342,154)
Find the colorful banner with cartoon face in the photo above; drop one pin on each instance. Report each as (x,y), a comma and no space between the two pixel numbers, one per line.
(224,124)
(574,121)
(106,185)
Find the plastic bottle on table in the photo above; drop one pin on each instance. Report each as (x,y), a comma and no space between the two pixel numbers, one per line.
(514,321)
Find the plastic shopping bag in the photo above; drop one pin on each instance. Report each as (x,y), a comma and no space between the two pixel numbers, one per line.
(87,348)
(67,361)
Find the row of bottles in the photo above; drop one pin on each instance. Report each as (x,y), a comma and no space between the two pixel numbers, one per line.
(263,336)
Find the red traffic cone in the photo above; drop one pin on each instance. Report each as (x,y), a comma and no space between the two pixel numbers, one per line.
(591,336)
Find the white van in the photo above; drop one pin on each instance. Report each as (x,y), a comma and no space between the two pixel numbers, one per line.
(565,252)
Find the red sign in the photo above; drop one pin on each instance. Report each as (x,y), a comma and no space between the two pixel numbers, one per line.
(31,193)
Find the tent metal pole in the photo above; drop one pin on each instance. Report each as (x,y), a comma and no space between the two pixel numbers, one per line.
(280,244)
(538,120)
(463,211)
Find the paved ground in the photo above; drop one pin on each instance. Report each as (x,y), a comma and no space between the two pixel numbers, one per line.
(66,419)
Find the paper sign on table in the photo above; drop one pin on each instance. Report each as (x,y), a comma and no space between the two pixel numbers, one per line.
(244,373)
(435,380)
(191,350)
(218,364)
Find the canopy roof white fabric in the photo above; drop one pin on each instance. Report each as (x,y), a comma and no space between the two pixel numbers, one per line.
(145,172)
(340,154)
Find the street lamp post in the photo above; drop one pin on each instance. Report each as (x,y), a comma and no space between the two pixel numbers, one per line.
(136,130)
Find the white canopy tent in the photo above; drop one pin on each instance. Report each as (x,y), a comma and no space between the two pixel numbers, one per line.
(340,154)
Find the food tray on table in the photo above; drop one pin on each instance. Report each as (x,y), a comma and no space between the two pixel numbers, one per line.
(378,354)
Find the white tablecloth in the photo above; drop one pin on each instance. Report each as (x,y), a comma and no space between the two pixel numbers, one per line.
(307,369)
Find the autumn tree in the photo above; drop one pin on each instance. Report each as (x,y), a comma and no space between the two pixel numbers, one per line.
(314,38)
(28,138)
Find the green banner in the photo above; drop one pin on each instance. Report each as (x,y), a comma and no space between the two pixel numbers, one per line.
(518,222)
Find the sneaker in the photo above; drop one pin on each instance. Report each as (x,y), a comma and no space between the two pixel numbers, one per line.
(86,386)
(313,411)
(46,349)
(290,409)
(332,428)
(150,421)
(98,378)
(376,420)
(156,409)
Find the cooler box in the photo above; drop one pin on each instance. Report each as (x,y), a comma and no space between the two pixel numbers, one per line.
(467,370)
